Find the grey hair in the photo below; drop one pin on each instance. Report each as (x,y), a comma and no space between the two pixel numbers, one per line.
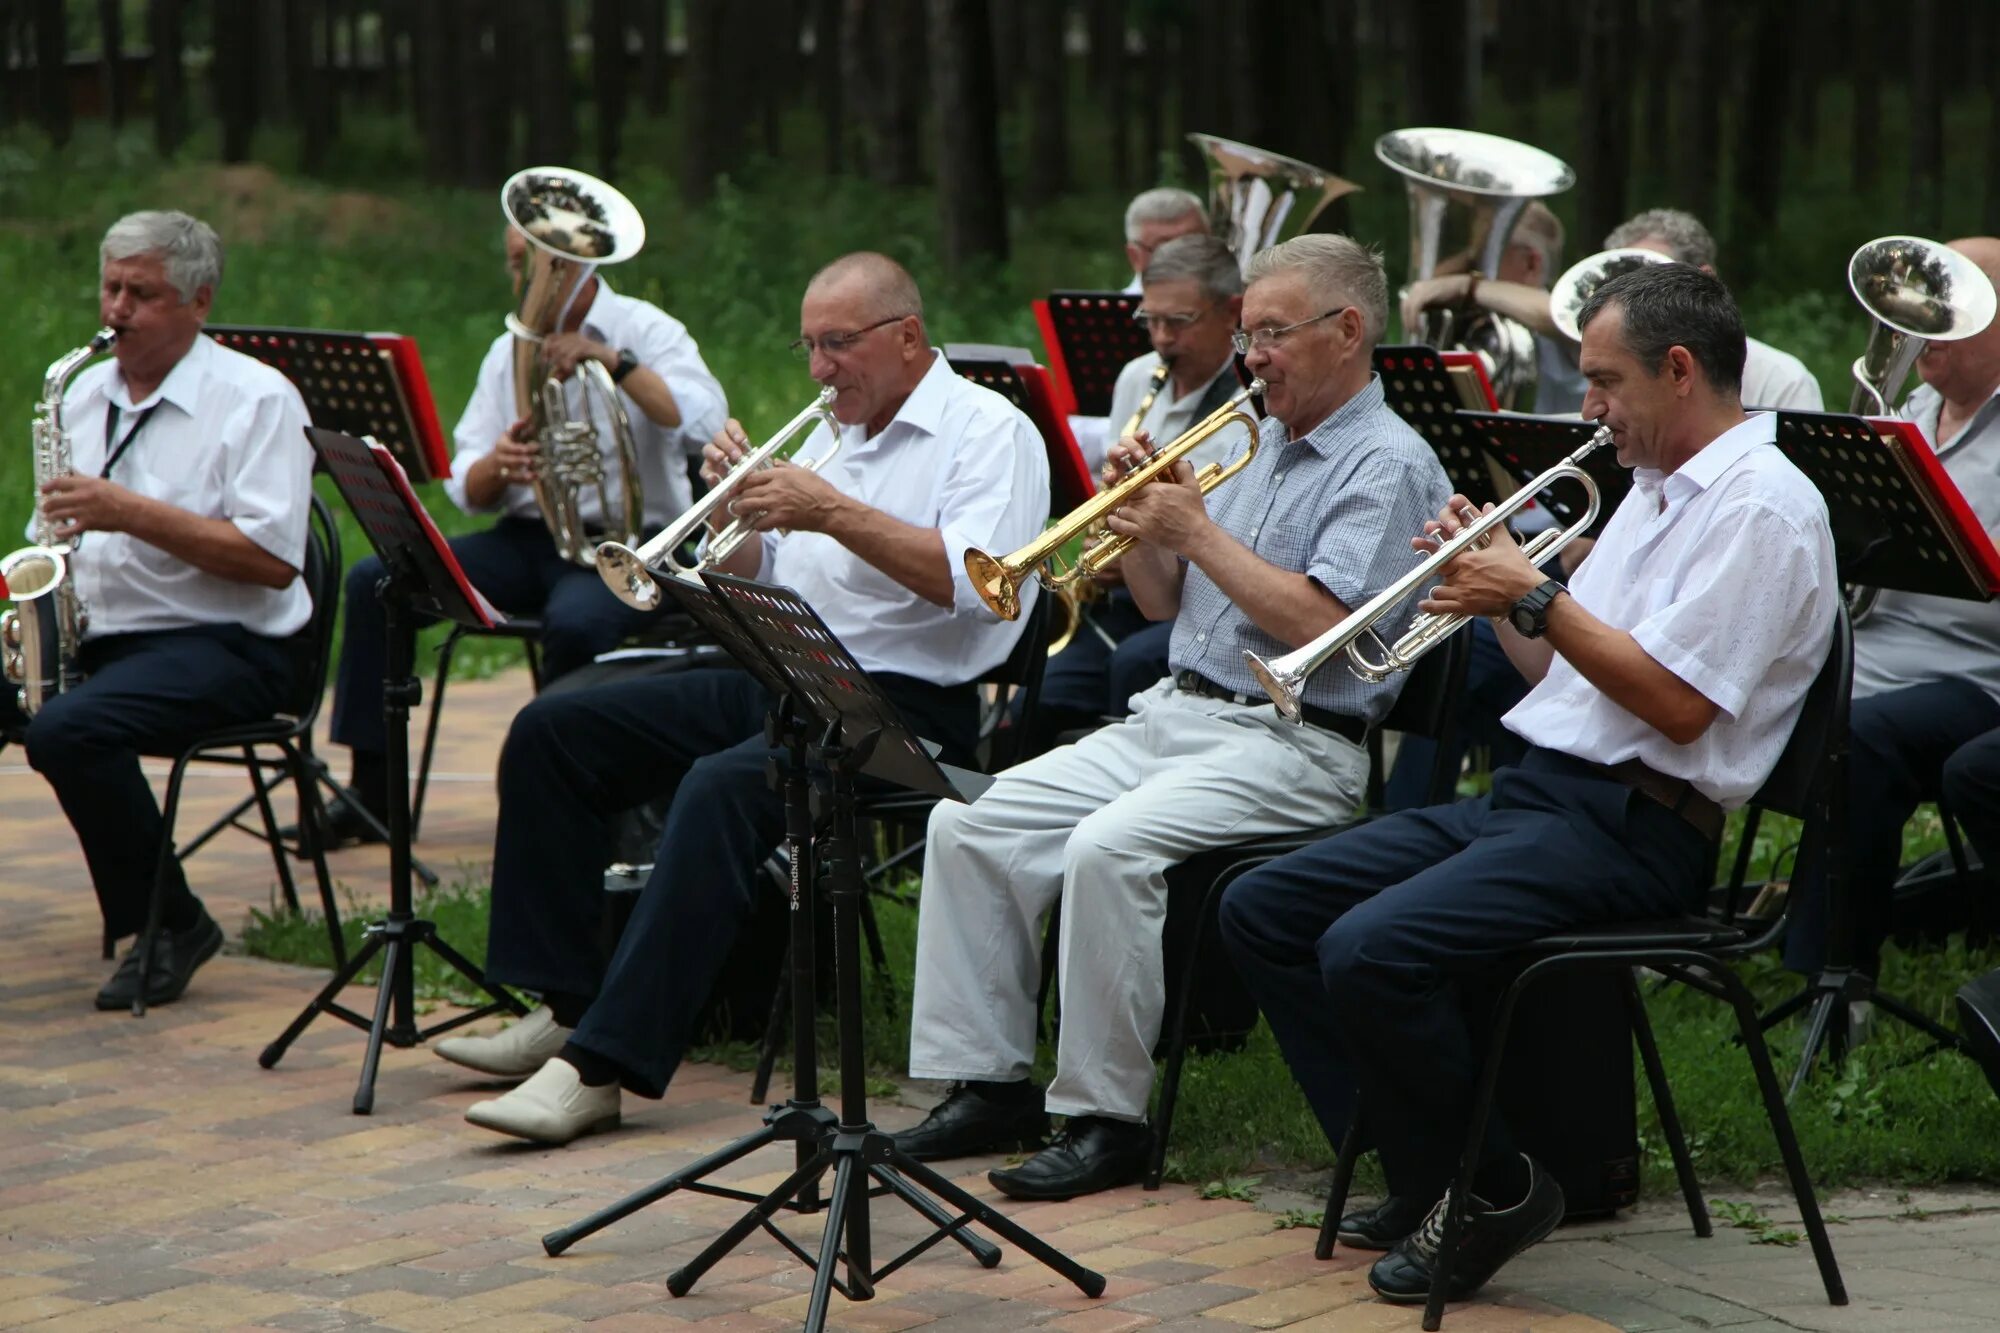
(1682,233)
(1165,204)
(1541,231)
(1340,271)
(1209,263)
(188,248)
(890,284)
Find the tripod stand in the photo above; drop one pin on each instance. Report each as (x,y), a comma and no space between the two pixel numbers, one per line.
(420,571)
(864,1161)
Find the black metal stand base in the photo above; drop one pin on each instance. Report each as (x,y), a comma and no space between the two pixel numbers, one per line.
(1825,1002)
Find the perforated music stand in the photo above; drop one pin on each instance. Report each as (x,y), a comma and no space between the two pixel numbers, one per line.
(422,576)
(1089,336)
(365,385)
(1524,447)
(1433,392)
(855,729)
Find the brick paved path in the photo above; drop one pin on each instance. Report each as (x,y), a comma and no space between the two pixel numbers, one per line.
(152,1176)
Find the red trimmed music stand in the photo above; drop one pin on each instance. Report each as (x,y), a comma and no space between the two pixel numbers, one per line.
(1089,336)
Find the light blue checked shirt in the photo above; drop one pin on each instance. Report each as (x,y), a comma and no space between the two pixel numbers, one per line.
(1339,505)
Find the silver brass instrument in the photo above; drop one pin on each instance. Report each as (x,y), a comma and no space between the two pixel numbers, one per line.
(631,574)
(1581,280)
(1284,677)
(998,580)
(1916,292)
(1466,191)
(1252,194)
(41,634)
(573,224)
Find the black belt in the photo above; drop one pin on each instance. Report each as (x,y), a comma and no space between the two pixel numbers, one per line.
(1340,724)
(1677,794)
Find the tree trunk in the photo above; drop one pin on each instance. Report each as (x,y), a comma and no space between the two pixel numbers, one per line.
(971,201)
(1760,146)
(543,33)
(1655,123)
(236,52)
(1604,111)
(52,71)
(608,75)
(481,96)
(1519,64)
(1434,65)
(1006,21)
(1107,31)
(651,16)
(775,76)
(170,113)
(713,128)
(828,45)
(434,63)
(1864,70)
(111,23)
(1046,72)
(1695,160)
(1156,79)
(885,88)
(1992,212)
(1809,60)
(1926,200)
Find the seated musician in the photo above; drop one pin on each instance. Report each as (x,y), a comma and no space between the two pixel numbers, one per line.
(1315,525)
(1926,669)
(188,504)
(930,465)
(1669,676)
(673,403)
(1193,293)
(1153,218)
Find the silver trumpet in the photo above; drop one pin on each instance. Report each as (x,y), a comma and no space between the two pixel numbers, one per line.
(632,575)
(1283,678)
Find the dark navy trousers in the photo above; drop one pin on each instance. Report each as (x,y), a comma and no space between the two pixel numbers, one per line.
(1972,790)
(1354,947)
(570,764)
(148,693)
(515,566)
(1493,685)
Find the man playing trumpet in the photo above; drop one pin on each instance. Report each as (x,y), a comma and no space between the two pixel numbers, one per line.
(1311,527)
(929,465)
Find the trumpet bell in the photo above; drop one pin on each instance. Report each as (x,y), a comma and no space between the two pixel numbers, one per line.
(997,585)
(1580,281)
(1258,198)
(626,575)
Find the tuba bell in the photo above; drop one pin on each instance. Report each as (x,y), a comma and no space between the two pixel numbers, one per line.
(573,223)
(1581,280)
(1916,292)
(1259,198)
(1466,192)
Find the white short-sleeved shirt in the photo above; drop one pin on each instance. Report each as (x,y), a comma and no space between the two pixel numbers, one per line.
(225,438)
(1777,380)
(1731,586)
(1168,418)
(957,457)
(664,347)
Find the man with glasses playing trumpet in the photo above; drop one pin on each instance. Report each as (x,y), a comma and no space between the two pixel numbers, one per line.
(1314,524)
(1668,678)
(928,465)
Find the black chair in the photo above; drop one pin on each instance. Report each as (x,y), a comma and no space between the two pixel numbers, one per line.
(1428,706)
(1809,783)
(290,733)
(528,630)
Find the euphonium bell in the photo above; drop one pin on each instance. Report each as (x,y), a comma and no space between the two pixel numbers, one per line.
(1917,292)
(1580,281)
(1259,198)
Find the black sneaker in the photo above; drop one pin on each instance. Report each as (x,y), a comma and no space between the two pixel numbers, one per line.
(1488,1237)
(1380,1227)
(176,954)
(969,1122)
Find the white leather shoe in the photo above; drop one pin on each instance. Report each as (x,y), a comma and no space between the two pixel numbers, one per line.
(553,1107)
(516,1051)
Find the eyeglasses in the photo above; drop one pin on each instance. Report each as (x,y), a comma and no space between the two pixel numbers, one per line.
(1147,319)
(1266,339)
(834,344)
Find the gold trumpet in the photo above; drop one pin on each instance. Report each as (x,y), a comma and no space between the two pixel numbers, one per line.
(1284,678)
(999,581)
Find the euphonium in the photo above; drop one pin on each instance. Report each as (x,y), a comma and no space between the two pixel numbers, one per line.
(1580,281)
(631,574)
(1283,678)
(1916,292)
(41,635)
(1253,193)
(573,223)
(999,580)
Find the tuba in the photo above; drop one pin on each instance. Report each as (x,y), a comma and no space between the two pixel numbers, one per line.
(572,223)
(1490,180)
(1916,292)
(1252,193)
(1581,280)
(40,636)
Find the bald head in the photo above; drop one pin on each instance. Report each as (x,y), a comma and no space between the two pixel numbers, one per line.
(870,285)
(1967,372)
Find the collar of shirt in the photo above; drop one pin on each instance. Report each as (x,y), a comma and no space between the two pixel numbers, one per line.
(1710,462)
(1925,406)
(921,411)
(1323,436)
(181,387)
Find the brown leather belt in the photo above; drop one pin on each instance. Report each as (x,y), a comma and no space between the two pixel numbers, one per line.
(1340,724)
(1677,794)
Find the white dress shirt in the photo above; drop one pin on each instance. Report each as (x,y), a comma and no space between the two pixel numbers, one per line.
(225,439)
(663,346)
(957,457)
(1777,380)
(1169,417)
(1723,571)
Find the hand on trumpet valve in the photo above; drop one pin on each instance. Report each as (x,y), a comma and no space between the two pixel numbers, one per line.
(723,451)
(1125,454)
(1487,578)
(783,496)
(1170,513)
(516,453)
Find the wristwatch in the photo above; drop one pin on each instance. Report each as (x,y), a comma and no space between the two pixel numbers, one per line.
(1530,615)
(628,361)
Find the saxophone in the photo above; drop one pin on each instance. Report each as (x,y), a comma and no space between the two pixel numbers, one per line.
(40,636)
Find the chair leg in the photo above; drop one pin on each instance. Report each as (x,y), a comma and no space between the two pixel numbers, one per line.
(431,731)
(261,793)
(1170,1084)
(161,865)
(312,819)
(1663,1103)
(1336,1194)
(1745,1006)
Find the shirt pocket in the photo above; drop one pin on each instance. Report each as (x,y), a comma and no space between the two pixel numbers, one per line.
(182,483)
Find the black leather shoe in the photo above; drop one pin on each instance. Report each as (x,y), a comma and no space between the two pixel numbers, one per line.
(967,1123)
(345,825)
(1092,1153)
(1380,1227)
(176,954)
(1488,1238)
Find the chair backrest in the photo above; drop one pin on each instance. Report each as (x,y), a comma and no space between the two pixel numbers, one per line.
(1820,735)
(314,641)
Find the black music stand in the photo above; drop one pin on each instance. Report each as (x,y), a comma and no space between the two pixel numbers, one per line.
(1524,447)
(422,577)
(851,728)
(1090,336)
(1899,522)
(1433,395)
